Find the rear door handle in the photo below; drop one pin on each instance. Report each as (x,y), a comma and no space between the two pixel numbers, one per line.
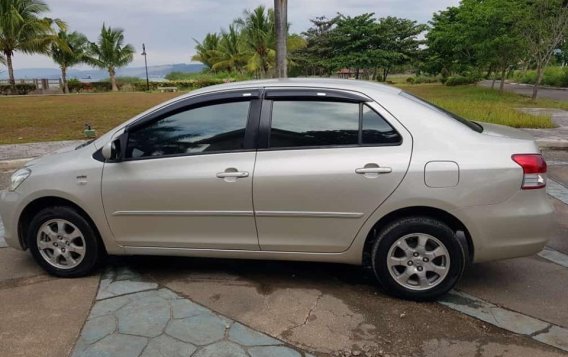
(373,170)
(232,174)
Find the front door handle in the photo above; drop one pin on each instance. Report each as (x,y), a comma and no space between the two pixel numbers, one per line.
(373,169)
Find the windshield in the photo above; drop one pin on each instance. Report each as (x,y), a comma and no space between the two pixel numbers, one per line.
(470,124)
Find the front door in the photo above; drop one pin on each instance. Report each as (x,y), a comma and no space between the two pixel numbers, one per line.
(327,165)
(186,179)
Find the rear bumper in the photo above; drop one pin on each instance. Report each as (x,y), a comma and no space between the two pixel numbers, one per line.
(520,226)
(10,213)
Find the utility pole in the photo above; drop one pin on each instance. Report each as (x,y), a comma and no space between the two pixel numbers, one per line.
(281,24)
(146,65)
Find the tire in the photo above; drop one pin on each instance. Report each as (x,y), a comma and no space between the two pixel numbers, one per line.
(413,272)
(63,242)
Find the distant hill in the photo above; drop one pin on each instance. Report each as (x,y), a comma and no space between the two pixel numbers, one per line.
(154,72)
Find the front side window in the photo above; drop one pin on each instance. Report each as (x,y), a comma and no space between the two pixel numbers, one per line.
(314,123)
(217,127)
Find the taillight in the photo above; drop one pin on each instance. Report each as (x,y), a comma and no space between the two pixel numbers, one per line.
(534,168)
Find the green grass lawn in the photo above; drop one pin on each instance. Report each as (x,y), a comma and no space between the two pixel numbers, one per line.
(49,118)
(485,104)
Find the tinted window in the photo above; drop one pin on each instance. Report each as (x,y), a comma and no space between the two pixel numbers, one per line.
(313,123)
(218,127)
(376,130)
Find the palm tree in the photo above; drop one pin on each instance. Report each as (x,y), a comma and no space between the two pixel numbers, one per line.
(228,55)
(69,50)
(110,53)
(22,29)
(204,49)
(257,28)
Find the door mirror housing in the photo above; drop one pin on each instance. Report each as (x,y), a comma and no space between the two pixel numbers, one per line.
(111,151)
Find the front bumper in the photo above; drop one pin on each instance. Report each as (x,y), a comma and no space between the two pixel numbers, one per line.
(10,211)
(520,226)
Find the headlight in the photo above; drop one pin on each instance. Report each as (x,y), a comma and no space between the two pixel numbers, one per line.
(18,177)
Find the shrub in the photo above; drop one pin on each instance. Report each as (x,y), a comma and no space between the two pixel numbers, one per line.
(421,80)
(553,76)
(460,80)
(19,89)
(410,80)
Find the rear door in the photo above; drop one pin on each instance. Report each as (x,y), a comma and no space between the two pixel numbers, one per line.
(326,161)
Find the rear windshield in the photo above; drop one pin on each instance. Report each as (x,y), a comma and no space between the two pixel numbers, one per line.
(470,124)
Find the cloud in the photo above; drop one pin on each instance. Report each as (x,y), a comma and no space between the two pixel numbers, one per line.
(168,27)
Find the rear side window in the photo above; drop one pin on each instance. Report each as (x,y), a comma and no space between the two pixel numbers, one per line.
(207,129)
(312,123)
(328,123)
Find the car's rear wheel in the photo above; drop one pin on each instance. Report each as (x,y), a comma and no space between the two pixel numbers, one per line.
(63,242)
(417,258)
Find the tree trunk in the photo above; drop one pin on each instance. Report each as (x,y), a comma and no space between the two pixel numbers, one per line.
(64,79)
(502,85)
(357,73)
(281,25)
(12,80)
(112,75)
(537,83)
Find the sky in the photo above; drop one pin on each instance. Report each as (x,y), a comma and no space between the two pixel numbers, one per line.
(168,27)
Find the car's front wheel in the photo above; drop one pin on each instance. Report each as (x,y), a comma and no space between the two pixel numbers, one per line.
(418,258)
(63,242)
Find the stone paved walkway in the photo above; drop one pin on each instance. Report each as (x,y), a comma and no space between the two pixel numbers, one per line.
(136,318)
(2,241)
(25,151)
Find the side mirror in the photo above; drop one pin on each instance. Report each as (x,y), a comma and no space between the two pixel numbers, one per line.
(111,150)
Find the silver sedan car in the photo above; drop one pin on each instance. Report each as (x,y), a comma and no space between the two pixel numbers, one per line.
(310,169)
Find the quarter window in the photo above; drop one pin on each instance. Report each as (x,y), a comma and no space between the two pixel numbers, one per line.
(218,127)
(376,130)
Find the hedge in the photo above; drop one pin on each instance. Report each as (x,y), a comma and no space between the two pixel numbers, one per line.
(18,89)
(460,80)
(105,86)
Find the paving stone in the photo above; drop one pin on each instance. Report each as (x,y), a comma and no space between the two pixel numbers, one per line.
(485,311)
(124,273)
(108,306)
(247,337)
(168,294)
(273,351)
(165,346)
(223,348)
(199,330)
(556,336)
(97,328)
(116,345)
(117,288)
(144,317)
(185,308)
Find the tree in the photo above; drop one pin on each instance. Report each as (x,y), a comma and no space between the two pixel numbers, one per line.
(228,54)
(396,42)
(110,53)
(544,28)
(205,48)
(353,42)
(69,50)
(257,29)
(281,27)
(22,29)
(315,57)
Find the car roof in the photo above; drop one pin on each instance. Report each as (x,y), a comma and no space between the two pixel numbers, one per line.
(330,83)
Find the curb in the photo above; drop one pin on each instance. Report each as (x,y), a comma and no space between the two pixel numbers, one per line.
(552,144)
(14,164)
